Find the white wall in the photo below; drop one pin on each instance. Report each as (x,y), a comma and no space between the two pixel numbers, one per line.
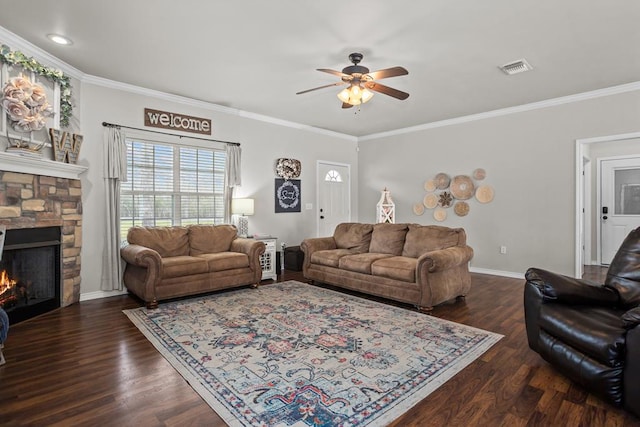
(530,161)
(262,143)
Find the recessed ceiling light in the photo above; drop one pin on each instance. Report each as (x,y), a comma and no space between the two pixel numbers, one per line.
(57,38)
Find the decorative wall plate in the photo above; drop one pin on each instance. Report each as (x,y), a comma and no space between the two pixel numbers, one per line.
(440,214)
(429,185)
(461,208)
(418,208)
(442,181)
(479,174)
(430,200)
(484,193)
(462,187)
(288,168)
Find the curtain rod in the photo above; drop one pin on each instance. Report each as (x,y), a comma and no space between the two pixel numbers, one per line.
(105,124)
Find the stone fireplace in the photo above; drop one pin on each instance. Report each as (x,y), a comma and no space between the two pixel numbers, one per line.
(41,194)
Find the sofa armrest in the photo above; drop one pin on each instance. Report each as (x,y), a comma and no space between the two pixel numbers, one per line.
(311,245)
(559,288)
(252,248)
(444,259)
(144,257)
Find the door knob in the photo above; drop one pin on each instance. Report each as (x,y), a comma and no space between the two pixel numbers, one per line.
(321,216)
(605,217)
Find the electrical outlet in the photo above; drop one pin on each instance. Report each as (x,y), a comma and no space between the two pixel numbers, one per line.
(503,250)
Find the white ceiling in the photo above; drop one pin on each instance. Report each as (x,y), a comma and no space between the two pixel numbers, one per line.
(254,55)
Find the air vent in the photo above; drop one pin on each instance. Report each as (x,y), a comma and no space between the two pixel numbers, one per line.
(516,67)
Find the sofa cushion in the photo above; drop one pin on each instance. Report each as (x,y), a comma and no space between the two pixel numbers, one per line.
(353,235)
(177,266)
(396,267)
(426,238)
(388,238)
(167,241)
(221,261)
(209,239)
(330,257)
(360,263)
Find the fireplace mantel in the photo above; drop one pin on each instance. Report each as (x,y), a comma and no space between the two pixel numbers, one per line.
(11,162)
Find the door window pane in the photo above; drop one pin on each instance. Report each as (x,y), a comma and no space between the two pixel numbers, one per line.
(627,191)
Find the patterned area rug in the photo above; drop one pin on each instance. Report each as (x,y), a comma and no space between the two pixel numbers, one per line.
(294,354)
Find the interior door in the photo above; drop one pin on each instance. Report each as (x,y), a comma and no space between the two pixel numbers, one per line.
(334,196)
(619,203)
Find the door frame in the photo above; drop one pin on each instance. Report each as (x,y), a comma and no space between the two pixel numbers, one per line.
(319,179)
(582,151)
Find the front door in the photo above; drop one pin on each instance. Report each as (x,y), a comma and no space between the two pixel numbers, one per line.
(334,196)
(619,203)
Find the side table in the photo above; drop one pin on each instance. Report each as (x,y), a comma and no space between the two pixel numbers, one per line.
(268,259)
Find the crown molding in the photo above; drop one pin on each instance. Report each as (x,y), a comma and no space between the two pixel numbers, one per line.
(28,48)
(112,84)
(613,90)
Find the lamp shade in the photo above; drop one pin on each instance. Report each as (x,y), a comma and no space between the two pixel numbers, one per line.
(242,206)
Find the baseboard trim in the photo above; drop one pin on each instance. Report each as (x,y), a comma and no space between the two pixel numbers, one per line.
(100,294)
(500,273)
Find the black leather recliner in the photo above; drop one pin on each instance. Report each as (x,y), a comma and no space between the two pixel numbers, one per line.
(589,331)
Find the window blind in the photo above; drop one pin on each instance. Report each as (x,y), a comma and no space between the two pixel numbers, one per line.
(172,185)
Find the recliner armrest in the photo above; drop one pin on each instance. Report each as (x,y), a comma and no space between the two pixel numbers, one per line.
(568,290)
(631,318)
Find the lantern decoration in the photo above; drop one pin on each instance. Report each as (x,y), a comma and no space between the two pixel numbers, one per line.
(386,209)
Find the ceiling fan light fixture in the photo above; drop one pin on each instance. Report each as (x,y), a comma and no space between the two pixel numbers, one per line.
(366,95)
(355,95)
(344,95)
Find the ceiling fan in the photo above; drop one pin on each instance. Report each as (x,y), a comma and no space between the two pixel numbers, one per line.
(362,83)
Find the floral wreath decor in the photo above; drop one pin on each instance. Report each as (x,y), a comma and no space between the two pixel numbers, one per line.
(288,168)
(26,104)
(11,57)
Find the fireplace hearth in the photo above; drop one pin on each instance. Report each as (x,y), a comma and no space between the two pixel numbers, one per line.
(30,272)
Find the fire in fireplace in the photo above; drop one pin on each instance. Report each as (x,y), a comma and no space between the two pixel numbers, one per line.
(8,295)
(30,272)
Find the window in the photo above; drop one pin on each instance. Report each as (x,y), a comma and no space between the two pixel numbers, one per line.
(171,185)
(333,176)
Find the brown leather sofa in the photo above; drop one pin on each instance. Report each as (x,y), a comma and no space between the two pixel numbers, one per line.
(169,262)
(423,265)
(589,331)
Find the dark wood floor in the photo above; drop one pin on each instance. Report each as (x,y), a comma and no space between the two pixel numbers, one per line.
(88,365)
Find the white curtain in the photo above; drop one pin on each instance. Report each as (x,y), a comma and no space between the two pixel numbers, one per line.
(115,171)
(233,177)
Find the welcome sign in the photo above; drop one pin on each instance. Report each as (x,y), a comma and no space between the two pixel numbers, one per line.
(181,122)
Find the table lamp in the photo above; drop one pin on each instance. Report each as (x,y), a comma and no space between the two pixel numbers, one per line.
(242,208)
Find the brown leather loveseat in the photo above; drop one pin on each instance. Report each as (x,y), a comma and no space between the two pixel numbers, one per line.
(169,262)
(591,331)
(423,265)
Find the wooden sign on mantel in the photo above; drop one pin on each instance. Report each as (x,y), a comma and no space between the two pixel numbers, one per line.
(181,122)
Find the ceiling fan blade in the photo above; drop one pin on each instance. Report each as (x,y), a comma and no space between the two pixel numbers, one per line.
(321,87)
(377,87)
(345,105)
(388,72)
(334,72)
